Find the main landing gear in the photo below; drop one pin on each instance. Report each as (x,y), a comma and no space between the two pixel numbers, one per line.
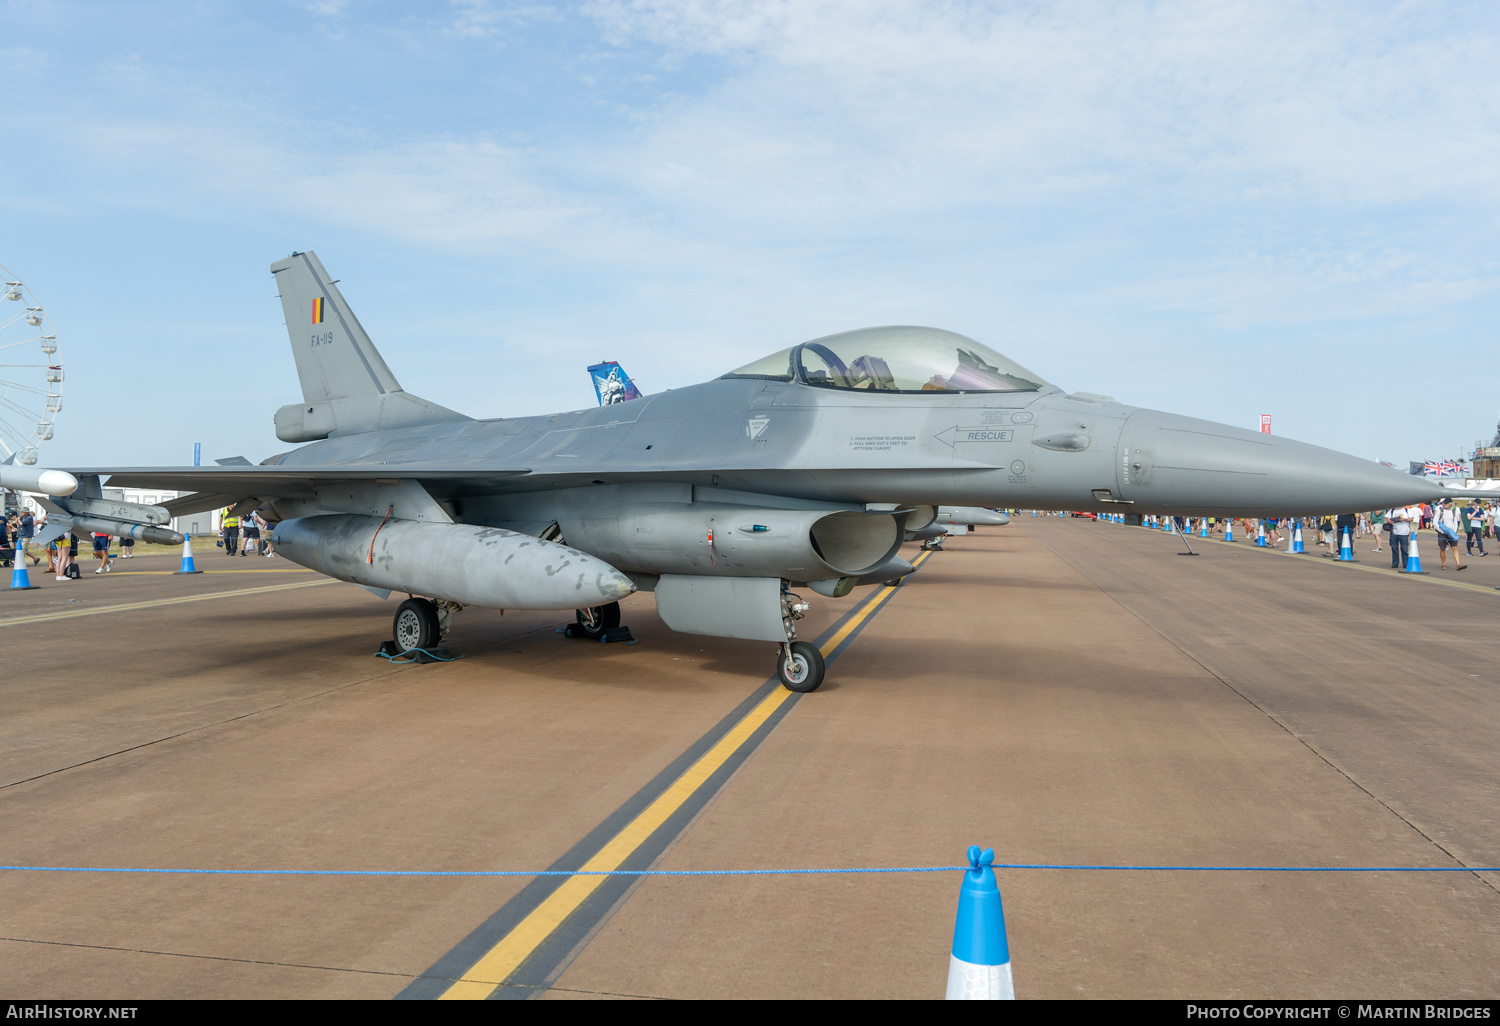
(421,624)
(416,625)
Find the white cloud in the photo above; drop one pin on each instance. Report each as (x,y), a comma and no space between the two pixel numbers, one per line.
(955,100)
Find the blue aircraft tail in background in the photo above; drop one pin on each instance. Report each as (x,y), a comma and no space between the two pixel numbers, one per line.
(611,383)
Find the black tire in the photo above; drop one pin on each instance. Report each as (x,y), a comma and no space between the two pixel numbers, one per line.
(802,670)
(416,625)
(592,623)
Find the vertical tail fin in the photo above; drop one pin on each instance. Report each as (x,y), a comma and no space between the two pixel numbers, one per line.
(335,358)
(346,385)
(611,383)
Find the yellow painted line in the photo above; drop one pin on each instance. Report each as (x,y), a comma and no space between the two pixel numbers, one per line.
(125,607)
(491,970)
(886,591)
(504,958)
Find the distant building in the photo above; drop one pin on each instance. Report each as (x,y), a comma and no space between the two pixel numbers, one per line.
(1487,462)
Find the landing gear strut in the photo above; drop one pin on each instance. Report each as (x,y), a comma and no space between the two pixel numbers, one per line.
(800,666)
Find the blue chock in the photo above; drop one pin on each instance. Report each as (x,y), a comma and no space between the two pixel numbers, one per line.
(979,969)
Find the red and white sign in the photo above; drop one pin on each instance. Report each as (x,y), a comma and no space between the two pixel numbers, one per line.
(1265,423)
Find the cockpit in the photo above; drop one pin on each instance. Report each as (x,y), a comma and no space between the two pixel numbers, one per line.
(895,359)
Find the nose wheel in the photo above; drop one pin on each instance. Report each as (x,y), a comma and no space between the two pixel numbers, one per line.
(800,666)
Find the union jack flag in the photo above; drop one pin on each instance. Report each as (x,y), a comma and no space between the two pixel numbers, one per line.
(1453,469)
(1432,469)
(1385,463)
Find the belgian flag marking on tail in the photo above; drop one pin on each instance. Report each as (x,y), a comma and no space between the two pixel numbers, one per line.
(317,311)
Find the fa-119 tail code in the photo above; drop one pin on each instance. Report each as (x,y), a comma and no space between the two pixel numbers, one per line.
(346,386)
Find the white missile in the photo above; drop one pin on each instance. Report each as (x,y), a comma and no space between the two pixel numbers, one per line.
(481,566)
(34,479)
(119,528)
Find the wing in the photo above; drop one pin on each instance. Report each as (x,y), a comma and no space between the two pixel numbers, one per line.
(216,487)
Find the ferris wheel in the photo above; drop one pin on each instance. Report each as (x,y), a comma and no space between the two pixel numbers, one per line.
(31,375)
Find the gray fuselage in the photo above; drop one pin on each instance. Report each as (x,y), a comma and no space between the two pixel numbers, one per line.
(1040,449)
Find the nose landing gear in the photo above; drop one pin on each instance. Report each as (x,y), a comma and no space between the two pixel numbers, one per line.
(800,666)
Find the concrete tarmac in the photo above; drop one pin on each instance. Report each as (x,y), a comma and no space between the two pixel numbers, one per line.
(1063,691)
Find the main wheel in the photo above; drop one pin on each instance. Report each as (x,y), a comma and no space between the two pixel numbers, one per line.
(800,669)
(416,625)
(593,622)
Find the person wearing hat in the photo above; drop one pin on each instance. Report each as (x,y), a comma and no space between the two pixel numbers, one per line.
(1445,521)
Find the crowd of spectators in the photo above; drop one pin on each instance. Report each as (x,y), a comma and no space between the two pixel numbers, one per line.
(1464,521)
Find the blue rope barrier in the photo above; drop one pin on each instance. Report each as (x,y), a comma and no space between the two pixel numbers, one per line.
(410,656)
(747,872)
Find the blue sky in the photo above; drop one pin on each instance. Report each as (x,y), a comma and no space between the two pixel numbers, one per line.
(1219,209)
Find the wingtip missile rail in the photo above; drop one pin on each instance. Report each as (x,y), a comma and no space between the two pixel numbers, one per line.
(36,479)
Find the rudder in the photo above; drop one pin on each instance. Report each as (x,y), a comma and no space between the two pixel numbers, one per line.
(346,385)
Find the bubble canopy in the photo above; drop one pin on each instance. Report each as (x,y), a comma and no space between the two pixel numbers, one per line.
(895,359)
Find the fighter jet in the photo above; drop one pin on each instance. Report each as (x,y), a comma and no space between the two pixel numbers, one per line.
(805,467)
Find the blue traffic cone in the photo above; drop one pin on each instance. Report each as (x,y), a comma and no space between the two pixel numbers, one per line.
(1297,545)
(979,969)
(1413,561)
(20,580)
(1346,547)
(1229,530)
(187,557)
(1203,527)
(1260,534)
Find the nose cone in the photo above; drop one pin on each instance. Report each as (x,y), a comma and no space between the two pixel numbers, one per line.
(1172,464)
(614,585)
